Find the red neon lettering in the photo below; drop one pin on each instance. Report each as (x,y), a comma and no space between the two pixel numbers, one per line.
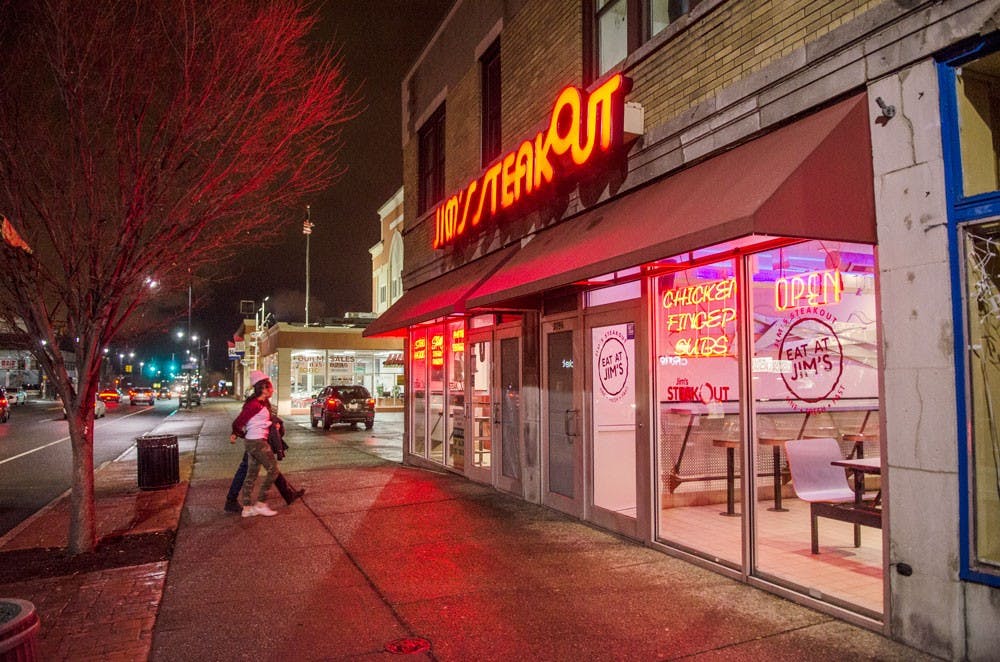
(527,169)
(507,181)
(703,347)
(817,288)
(694,295)
(468,201)
(489,182)
(567,101)
(523,169)
(544,172)
(437,349)
(705,328)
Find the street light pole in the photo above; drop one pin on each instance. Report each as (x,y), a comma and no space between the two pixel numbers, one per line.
(307,227)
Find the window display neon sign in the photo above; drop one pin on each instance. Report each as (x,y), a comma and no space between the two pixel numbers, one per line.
(420,349)
(817,288)
(701,313)
(458,341)
(580,128)
(437,349)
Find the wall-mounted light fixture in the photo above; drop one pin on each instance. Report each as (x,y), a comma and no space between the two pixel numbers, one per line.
(888,112)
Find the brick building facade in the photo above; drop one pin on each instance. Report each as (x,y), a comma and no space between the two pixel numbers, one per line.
(779,243)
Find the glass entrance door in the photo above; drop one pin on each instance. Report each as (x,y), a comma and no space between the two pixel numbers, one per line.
(508,420)
(563,478)
(613,440)
(480,398)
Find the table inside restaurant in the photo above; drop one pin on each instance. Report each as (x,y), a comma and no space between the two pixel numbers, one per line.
(859,467)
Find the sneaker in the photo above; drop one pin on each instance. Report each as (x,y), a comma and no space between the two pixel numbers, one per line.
(261,508)
(233,506)
(249,511)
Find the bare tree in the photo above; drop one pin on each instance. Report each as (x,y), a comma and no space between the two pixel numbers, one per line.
(141,142)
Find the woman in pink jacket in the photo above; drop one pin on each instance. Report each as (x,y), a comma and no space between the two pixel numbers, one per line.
(253,424)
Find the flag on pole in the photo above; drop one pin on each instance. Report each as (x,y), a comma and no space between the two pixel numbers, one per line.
(307,226)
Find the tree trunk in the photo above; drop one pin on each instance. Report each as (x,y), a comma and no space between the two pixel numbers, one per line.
(83,514)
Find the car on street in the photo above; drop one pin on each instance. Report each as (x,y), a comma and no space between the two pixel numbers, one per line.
(109,395)
(350,404)
(16,395)
(141,394)
(4,407)
(164,394)
(182,395)
(100,409)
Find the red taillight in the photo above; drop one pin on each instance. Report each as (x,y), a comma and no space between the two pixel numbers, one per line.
(371,402)
(3,402)
(333,403)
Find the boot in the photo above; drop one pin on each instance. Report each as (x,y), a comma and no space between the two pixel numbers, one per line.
(233,506)
(288,493)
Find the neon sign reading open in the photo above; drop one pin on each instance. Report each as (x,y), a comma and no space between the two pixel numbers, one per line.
(818,288)
(580,128)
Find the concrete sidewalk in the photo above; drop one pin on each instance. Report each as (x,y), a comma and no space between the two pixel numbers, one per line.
(376,553)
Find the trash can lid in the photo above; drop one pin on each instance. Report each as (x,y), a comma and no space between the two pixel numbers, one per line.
(15,616)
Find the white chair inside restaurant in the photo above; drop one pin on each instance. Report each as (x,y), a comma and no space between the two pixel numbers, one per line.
(819,482)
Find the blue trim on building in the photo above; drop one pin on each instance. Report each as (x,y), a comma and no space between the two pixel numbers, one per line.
(961,210)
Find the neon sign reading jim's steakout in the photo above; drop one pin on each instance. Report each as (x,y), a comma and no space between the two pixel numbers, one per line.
(580,127)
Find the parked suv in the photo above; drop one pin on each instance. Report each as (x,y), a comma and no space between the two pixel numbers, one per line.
(343,404)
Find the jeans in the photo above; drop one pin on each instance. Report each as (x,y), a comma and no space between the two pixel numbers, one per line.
(238,478)
(260,455)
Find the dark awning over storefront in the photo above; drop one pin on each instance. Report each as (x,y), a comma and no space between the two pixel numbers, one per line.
(441,296)
(811,179)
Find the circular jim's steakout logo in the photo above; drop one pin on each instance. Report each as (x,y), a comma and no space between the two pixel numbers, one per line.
(816,356)
(612,365)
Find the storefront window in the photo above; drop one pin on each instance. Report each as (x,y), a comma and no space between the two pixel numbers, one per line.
(977,86)
(308,374)
(456,395)
(970,102)
(342,366)
(815,392)
(811,377)
(437,414)
(418,388)
(699,447)
(982,296)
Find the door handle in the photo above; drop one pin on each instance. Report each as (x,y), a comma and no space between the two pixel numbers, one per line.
(496,413)
(570,421)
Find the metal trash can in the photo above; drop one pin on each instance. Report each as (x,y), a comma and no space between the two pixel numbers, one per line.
(19,627)
(159,464)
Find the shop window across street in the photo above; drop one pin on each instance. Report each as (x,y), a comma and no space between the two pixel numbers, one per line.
(970,107)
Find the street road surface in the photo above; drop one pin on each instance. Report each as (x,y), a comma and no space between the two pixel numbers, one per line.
(36,457)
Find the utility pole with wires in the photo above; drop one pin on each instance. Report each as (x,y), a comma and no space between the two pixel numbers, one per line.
(307,228)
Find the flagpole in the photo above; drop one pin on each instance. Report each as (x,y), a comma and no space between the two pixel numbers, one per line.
(307,227)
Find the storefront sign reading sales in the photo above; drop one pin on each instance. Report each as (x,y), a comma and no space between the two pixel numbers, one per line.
(580,128)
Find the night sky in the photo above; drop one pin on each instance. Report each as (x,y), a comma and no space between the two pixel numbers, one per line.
(379,41)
